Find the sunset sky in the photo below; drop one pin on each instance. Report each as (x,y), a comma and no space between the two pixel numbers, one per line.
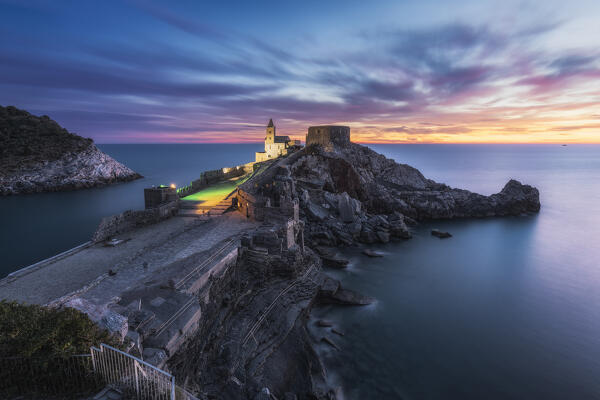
(395,71)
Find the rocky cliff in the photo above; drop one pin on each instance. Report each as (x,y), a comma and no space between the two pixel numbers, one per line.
(253,342)
(353,194)
(38,155)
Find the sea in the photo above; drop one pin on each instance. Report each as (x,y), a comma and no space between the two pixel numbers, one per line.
(507,308)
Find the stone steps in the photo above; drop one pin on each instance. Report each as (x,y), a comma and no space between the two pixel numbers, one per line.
(188,208)
(222,207)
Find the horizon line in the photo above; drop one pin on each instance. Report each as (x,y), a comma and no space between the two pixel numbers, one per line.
(363,143)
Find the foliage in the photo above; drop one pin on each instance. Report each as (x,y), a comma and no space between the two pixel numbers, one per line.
(43,332)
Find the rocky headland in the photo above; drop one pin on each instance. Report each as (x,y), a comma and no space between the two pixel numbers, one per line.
(38,155)
(253,341)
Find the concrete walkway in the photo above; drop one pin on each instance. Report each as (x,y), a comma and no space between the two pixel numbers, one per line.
(156,245)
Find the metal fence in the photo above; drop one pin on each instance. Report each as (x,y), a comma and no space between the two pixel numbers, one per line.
(134,377)
(62,377)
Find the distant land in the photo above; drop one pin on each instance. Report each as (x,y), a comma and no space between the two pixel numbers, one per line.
(38,155)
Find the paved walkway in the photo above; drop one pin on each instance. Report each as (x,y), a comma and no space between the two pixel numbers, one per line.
(157,245)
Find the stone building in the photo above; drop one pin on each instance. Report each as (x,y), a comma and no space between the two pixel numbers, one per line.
(275,146)
(328,136)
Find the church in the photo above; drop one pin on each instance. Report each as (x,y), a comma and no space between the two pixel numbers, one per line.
(275,146)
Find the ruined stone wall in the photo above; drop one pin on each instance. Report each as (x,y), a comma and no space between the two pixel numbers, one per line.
(129,220)
(249,205)
(328,136)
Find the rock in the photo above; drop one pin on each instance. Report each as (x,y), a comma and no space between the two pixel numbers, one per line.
(154,356)
(289,396)
(334,262)
(305,197)
(324,323)
(115,323)
(345,208)
(343,297)
(440,234)
(372,253)
(383,236)
(368,236)
(315,211)
(329,287)
(38,155)
(330,342)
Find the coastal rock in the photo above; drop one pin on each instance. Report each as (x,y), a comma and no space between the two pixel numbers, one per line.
(375,198)
(324,323)
(372,253)
(37,155)
(440,234)
(348,298)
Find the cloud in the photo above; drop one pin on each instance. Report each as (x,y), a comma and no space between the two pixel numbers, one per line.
(196,78)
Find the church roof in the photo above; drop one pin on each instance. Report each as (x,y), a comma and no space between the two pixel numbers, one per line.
(282,139)
(270,123)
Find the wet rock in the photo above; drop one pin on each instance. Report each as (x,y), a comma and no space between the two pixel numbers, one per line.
(368,236)
(372,253)
(338,295)
(440,234)
(329,257)
(329,287)
(324,323)
(330,342)
(383,236)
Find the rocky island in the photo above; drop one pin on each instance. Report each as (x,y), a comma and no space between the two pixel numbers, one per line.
(38,155)
(222,300)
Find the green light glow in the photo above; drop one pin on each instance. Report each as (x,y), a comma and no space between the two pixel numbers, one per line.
(213,194)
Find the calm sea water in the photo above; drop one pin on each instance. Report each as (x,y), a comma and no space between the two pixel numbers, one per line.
(508,308)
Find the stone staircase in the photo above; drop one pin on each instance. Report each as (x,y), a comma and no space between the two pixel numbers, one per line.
(188,208)
(222,207)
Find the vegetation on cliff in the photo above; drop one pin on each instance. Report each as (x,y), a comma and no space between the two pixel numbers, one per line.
(42,332)
(38,155)
(26,139)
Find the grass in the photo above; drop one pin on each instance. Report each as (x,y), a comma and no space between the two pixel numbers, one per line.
(213,194)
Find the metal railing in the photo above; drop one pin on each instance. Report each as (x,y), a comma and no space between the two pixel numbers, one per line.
(134,377)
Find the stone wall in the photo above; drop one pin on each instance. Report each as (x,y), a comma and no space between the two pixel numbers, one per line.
(249,205)
(328,136)
(129,220)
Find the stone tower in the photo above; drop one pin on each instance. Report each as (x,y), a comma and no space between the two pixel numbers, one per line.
(270,139)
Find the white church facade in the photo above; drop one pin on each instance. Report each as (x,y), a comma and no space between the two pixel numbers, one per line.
(275,146)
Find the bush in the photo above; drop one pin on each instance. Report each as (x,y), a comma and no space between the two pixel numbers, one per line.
(42,332)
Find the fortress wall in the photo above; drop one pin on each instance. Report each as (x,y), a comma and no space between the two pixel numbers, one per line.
(328,136)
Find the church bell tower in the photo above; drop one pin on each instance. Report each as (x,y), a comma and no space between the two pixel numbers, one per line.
(270,132)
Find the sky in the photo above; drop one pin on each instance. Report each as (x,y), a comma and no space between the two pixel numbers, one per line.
(394,71)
